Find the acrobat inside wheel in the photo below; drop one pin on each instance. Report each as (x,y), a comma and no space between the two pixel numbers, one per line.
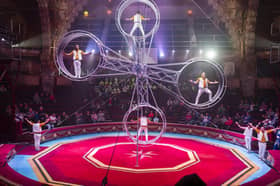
(128,9)
(136,131)
(91,55)
(210,94)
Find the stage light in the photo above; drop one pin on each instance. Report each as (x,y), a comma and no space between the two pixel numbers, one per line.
(189,12)
(211,54)
(130,53)
(93,51)
(173,51)
(200,51)
(187,51)
(161,54)
(3,39)
(107,51)
(85,13)
(109,12)
(120,51)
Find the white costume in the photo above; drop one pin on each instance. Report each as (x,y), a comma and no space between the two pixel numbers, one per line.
(77,58)
(36,128)
(203,88)
(262,138)
(143,127)
(248,132)
(137,19)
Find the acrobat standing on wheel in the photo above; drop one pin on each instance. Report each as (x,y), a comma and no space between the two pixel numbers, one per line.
(77,58)
(203,82)
(137,19)
(144,121)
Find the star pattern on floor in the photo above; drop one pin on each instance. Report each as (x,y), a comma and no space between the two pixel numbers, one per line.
(142,154)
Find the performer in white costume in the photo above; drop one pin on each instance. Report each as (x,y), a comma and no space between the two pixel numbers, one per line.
(137,19)
(77,58)
(37,129)
(263,139)
(203,82)
(144,121)
(248,132)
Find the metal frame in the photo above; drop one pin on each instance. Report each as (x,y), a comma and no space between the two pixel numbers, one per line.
(145,74)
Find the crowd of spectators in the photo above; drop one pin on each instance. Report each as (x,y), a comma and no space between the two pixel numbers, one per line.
(114,86)
(112,94)
(247,111)
(35,111)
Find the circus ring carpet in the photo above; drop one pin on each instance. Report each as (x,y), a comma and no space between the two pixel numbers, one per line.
(80,155)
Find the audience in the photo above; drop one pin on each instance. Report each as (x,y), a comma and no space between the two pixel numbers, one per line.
(112,103)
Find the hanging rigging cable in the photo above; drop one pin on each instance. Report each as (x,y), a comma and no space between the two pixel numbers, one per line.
(208,17)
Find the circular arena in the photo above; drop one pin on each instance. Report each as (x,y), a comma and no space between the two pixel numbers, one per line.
(139,92)
(86,154)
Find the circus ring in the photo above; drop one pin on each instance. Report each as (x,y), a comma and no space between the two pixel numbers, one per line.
(80,155)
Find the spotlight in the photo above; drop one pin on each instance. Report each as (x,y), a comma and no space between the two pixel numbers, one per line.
(3,39)
(130,53)
(189,12)
(200,51)
(109,12)
(119,51)
(187,51)
(211,54)
(173,51)
(93,51)
(161,54)
(107,51)
(85,13)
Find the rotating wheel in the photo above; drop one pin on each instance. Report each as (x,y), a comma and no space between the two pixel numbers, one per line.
(123,8)
(134,130)
(90,62)
(211,94)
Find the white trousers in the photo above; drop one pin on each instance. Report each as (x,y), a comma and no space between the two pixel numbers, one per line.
(135,26)
(262,149)
(77,68)
(37,139)
(145,129)
(201,91)
(248,142)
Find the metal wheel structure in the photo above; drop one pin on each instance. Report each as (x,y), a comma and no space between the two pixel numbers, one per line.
(146,74)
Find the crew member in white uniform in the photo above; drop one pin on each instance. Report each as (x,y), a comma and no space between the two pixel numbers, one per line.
(203,82)
(137,19)
(77,58)
(248,132)
(263,139)
(37,130)
(144,121)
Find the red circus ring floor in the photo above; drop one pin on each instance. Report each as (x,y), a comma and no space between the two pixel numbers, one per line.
(80,154)
(83,160)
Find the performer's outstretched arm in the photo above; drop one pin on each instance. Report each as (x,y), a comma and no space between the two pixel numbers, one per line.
(239,125)
(129,19)
(68,54)
(44,123)
(255,128)
(85,53)
(194,82)
(145,19)
(29,122)
(273,130)
(213,82)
